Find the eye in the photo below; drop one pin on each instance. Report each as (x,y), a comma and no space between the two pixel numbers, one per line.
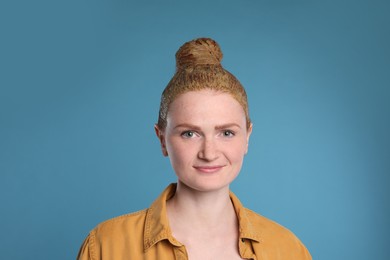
(228,133)
(188,134)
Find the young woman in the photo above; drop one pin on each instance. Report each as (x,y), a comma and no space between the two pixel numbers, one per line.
(204,129)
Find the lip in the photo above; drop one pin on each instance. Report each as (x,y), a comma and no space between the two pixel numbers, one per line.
(209,169)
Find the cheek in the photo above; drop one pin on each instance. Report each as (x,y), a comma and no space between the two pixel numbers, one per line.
(237,151)
(179,152)
(237,157)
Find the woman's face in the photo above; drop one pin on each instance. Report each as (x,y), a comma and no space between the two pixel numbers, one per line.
(206,139)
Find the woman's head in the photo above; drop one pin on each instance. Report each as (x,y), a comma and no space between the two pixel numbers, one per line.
(198,67)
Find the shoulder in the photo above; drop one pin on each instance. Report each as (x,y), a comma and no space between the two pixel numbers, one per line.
(275,238)
(114,236)
(121,225)
(265,226)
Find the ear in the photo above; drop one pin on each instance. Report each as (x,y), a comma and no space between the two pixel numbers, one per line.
(248,135)
(161,138)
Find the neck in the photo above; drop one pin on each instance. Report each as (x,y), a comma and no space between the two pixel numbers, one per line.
(201,208)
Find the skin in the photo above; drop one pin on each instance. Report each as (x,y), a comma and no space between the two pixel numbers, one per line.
(206,139)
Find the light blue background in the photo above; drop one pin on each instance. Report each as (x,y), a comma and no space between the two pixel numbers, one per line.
(80,83)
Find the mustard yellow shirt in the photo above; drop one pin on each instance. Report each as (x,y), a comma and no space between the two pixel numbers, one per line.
(146,235)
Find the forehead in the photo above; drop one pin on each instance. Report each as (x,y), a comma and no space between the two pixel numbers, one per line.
(205,105)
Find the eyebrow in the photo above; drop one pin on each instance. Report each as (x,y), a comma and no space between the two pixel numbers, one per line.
(218,127)
(226,126)
(189,126)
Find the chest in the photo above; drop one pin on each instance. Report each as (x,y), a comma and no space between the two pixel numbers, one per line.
(211,248)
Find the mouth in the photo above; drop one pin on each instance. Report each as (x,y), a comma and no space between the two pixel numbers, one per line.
(209,169)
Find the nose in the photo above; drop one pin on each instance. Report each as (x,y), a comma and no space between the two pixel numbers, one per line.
(208,150)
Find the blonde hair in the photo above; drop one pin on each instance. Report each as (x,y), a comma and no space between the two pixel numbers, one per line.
(198,67)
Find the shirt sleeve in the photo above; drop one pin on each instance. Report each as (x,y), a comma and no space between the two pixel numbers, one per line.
(306,253)
(85,252)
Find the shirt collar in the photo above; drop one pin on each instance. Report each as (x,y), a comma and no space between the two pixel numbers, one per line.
(157,224)
(246,228)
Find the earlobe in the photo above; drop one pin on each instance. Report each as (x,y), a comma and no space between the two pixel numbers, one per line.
(249,132)
(161,138)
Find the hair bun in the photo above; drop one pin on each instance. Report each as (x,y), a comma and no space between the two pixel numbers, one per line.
(201,51)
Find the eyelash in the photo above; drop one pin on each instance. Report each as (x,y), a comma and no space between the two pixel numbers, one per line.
(190,133)
(228,133)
